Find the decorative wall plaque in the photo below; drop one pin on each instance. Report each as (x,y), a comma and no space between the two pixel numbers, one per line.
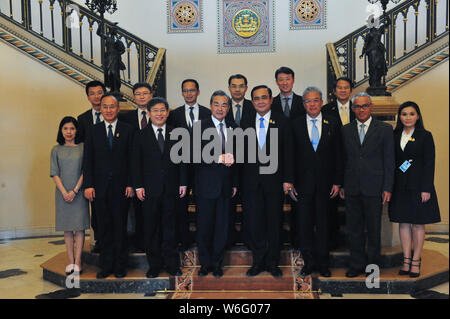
(308,14)
(185,16)
(246,26)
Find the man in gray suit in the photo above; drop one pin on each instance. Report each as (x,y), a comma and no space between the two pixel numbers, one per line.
(368,181)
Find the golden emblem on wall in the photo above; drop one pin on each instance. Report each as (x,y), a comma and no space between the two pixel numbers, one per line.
(185,14)
(307,10)
(246,23)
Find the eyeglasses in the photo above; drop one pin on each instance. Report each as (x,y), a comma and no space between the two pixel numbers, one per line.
(312,101)
(163,111)
(190,91)
(364,106)
(142,93)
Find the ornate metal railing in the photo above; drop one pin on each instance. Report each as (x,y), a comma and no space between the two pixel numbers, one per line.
(415,25)
(72,28)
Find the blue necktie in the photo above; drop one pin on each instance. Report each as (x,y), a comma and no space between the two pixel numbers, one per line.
(238,114)
(262,133)
(315,135)
(362,134)
(110,136)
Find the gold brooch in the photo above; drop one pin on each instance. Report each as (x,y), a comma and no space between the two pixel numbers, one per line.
(412,139)
(117,135)
(271,121)
(325,121)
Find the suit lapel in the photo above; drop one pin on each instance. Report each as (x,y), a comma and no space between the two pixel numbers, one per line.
(324,134)
(370,130)
(355,132)
(306,133)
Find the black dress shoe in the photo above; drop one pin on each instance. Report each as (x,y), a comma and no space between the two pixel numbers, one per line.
(275,271)
(218,272)
(152,273)
(203,271)
(255,270)
(174,271)
(351,273)
(120,273)
(103,274)
(325,272)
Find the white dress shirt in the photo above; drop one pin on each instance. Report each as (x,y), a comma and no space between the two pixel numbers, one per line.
(318,124)
(155,129)
(94,116)
(140,116)
(217,125)
(258,123)
(187,112)
(366,123)
(114,124)
(405,138)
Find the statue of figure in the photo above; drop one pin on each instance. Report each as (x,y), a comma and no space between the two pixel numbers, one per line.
(375,51)
(112,65)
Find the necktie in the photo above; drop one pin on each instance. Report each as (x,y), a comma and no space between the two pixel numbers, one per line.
(238,114)
(97,120)
(314,135)
(344,115)
(110,136)
(362,133)
(286,107)
(262,133)
(223,138)
(161,140)
(191,115)
(144,120)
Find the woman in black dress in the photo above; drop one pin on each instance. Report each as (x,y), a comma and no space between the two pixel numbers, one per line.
(414,202)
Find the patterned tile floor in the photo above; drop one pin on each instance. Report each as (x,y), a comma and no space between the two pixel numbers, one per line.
(21,274)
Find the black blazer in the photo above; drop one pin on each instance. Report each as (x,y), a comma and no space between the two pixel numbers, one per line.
(320,169)
(214,180)
(86,123)
(102,165)
(333,110)
(248,111)
(420,149)
(250,172)
(297,108)
(132,118)
(177,117)
(369,168)
(153,169)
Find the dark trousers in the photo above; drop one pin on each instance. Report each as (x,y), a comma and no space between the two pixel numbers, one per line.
(312,227)
(232,232)
(182,220)
(139,223)
(159,231)
(334,224)
(111,211)
(263,213)
(212,229)
(363,212)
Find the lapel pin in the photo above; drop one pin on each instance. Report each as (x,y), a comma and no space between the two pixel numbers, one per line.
(412,139)
(325,121)
(271,121)
(117,135)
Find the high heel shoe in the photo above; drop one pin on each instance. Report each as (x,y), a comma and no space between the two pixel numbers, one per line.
(402,272)
(69,269)
(415,274)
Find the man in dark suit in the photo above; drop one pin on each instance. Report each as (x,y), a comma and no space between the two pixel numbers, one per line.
(241,109)
(158,182)
(341,110)
(318,175)
(287,102)
(368,181)
(185,116)
(86,121)
(139,119)
(262,190)
(107,179)
(215,185)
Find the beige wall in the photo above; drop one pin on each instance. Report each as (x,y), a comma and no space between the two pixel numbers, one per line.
(431,92)
(33,101)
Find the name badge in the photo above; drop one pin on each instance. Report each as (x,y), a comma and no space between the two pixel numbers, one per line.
(404,167)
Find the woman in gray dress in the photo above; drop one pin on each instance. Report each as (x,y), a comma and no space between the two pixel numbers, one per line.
(71,208)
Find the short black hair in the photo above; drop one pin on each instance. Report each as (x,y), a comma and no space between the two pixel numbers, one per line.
(262,87)
(344,78)
(285,70)
(113,94)
(190,80)
(94,84)
(237,76)
(157,100)
(68,119)
(142,85)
